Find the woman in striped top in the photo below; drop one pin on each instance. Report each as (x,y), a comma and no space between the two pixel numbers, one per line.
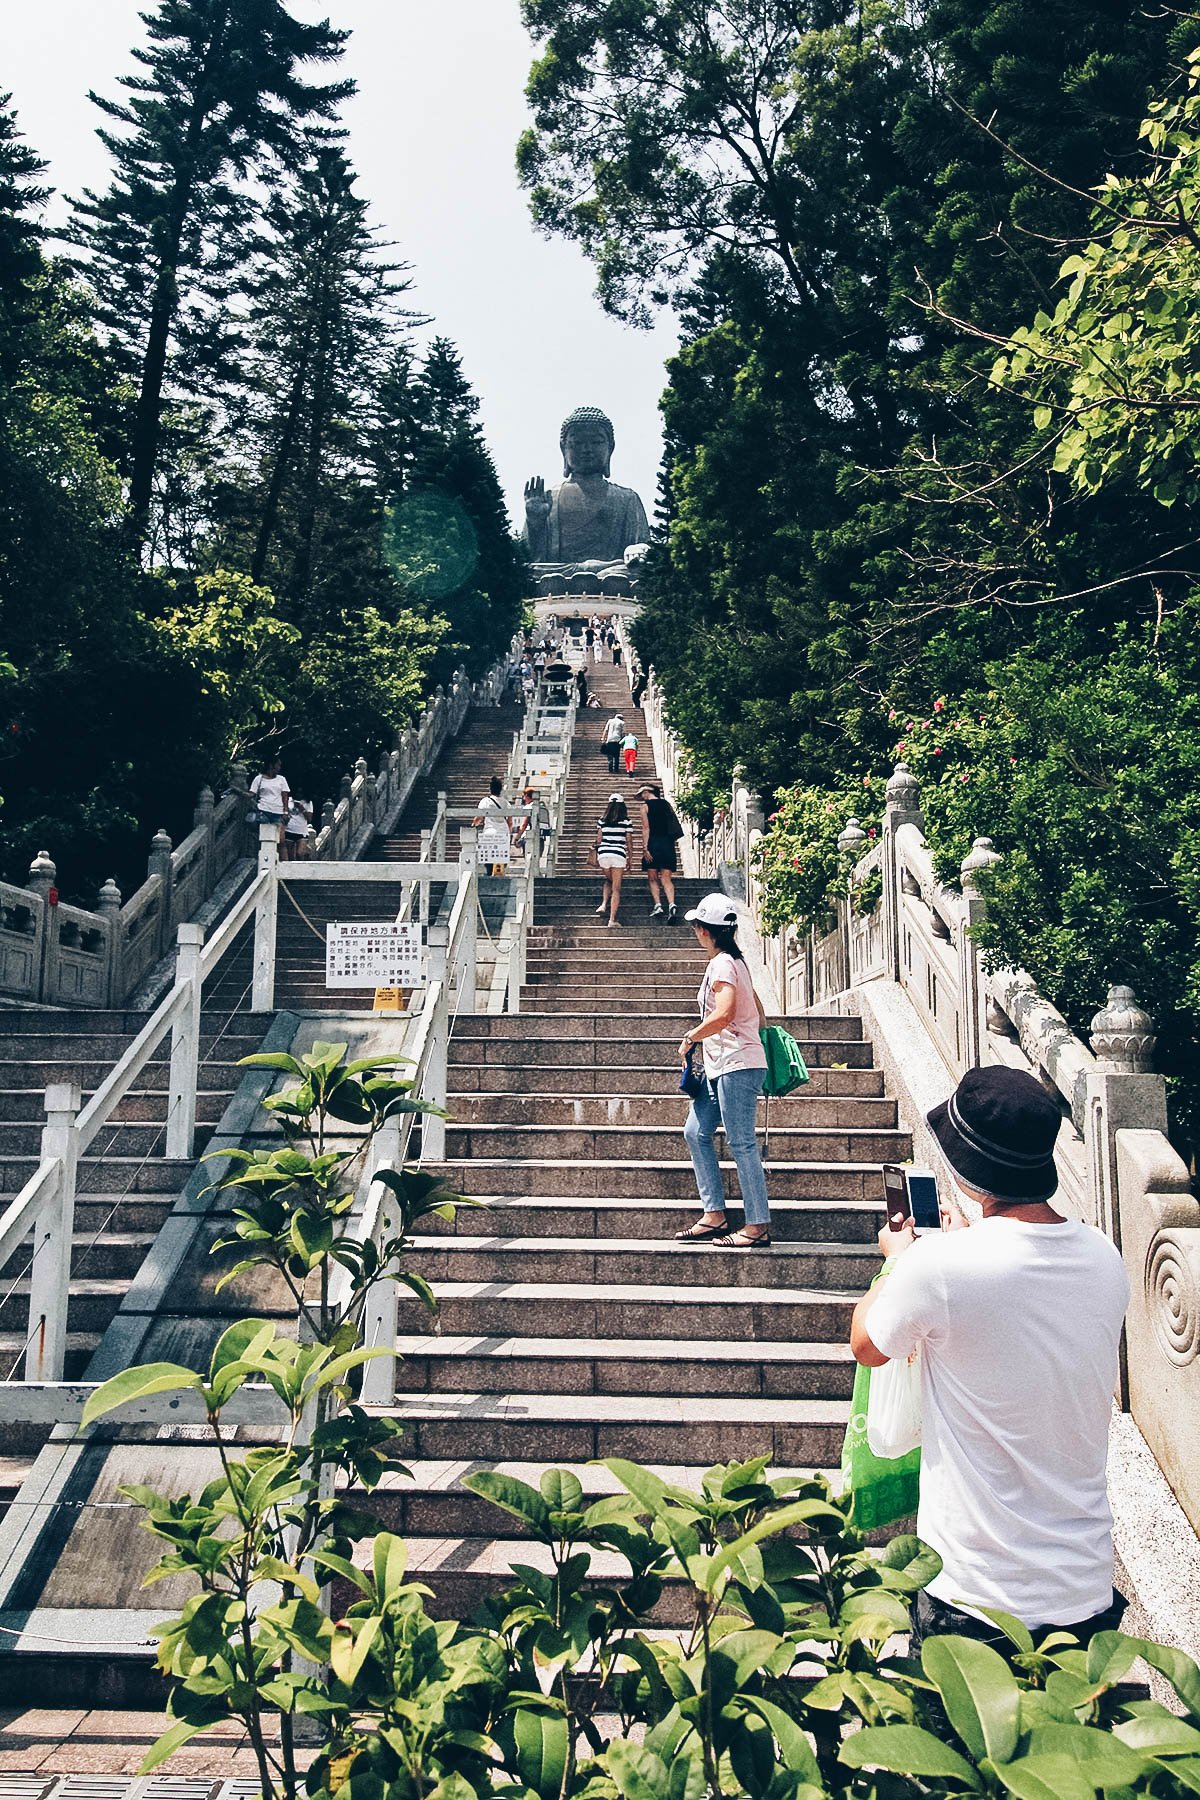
(612,853)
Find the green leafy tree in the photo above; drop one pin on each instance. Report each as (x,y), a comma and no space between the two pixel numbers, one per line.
(223,104)
(227,631)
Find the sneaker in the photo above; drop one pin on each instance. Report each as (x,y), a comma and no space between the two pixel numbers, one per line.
(657,912)
(673,916)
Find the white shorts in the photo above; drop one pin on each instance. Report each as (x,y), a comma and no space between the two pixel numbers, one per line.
(608,859)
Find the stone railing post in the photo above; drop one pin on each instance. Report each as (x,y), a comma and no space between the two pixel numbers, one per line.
(972,992)
(852,841)
(266,916)
(108,905)
(185,1047)
(1123,1094)
(202,819)
(903,808)
(42,882)
(159,863)
(50,1274)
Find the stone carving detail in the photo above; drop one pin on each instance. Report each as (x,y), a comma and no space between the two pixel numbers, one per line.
(1123,1034)
(982,855)
(1173,1293)
(903,789)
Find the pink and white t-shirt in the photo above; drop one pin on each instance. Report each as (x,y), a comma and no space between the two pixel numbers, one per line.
(738,1046)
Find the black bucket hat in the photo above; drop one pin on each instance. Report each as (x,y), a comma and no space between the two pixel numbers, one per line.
(997,1132)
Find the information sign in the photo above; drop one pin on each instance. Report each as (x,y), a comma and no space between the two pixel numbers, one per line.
(494,843)
(373,954)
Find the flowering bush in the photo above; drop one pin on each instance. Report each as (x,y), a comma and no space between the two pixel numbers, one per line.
(799,865)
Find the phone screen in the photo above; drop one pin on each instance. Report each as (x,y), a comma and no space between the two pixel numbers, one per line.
(923,1200)
(895,1195)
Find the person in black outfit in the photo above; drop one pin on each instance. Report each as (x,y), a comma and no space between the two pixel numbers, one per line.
(661,832)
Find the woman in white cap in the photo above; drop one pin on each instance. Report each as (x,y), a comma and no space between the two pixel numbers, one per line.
(612,853)
(734,1064)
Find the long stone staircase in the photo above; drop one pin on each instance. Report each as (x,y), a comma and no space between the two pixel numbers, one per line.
(572,1325)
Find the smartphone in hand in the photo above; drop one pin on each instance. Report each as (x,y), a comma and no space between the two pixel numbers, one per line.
(895,1197)
(923,1204)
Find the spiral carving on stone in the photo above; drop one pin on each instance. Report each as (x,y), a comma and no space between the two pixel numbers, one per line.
(1173,1293)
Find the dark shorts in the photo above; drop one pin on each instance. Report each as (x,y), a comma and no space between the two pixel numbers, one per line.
(932,1617)
(660,854)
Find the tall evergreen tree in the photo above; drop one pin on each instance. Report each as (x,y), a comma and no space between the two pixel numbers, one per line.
(223,105)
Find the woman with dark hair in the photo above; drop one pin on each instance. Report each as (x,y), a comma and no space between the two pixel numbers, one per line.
(734,1064)
(612,853)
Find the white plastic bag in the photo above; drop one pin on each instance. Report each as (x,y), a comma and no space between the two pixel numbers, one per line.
(894,1408)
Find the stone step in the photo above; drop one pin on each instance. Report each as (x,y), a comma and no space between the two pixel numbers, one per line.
(564,1216)
(93,1301)
(26,1047)
(81,1346)
(106,1174)
(655,1180)
(26,1105)
(582,1260)
(720,1310)
(641,1026)
(115,1254)
(659,1366)
(703,1429)
(551,1039)
(430,1500)
(656,1143)
(556,1110)
(617,1080)
(34,1074)
(132,1138)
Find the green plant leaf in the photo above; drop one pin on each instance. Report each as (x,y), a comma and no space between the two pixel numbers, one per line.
(352,1640)
(390,1561)
(1159,1734)
(906,1750)
(638,1772)
(541,1746)
(136,1384)
(1104,1759)
(512,1496)
(178,1734)
(561,1490)
(1046,1778)
(981,1698)
(795,1750)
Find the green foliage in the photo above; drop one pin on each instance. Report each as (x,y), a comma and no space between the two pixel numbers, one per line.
(228,632)
(801,871)
(1115,368)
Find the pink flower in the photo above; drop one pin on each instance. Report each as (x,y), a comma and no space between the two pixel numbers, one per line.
(891,715)
(938,750)
(962,778)
(871,832)
(939,706)
(925,724)
(772,818)
(982,720)
(900,748)
(866,781)
(909,726)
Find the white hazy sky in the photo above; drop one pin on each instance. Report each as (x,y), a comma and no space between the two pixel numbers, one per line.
(432,130)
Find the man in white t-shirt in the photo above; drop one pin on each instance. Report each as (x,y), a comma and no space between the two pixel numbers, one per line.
(1018,1322)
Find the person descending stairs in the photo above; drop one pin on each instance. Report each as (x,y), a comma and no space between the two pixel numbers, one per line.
(572,1325)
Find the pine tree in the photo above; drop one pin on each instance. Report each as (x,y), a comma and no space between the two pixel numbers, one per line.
(221,106)
(21,193)
(324,316)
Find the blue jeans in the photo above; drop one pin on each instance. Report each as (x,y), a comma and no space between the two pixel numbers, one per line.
(732,1101)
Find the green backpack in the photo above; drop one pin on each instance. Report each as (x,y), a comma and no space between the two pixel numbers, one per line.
(786,1069)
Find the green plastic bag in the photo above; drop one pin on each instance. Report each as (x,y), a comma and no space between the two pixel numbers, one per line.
(786,1069)
(883,1491)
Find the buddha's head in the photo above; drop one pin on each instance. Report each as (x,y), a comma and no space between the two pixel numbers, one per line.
(587,441)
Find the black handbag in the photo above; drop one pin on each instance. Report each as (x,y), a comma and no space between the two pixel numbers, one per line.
(692,1080)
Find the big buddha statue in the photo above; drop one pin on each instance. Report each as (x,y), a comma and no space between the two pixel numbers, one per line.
(587,522)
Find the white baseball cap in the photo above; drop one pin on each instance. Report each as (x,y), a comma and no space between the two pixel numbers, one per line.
(714,909)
